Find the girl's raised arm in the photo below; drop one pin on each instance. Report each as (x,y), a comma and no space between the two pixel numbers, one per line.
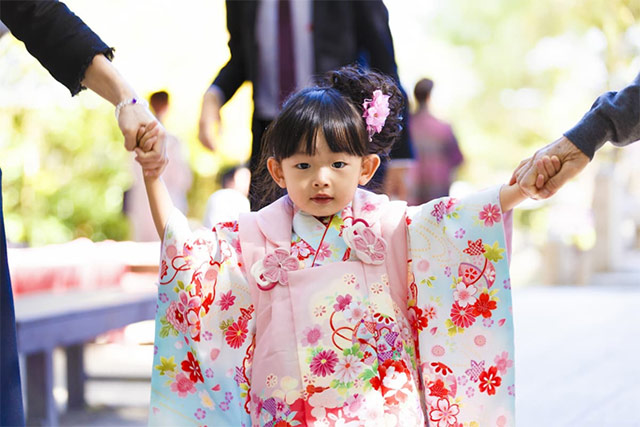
(159,199)
(511,196)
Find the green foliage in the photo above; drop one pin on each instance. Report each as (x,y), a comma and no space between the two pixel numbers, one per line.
(64,176)
(64,169)
(498,36)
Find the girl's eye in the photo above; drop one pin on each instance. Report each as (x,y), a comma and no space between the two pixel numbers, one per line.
(303,166)
(339,165)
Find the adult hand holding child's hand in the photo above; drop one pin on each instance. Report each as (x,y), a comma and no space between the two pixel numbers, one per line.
(150,149)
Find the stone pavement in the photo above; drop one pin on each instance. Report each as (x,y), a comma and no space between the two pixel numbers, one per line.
(576,361)
(577,354)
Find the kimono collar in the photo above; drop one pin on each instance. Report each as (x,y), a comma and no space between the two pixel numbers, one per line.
(367,206)
(276,220)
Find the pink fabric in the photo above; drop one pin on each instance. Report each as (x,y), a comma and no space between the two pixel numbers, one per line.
(288,311)
(80,263)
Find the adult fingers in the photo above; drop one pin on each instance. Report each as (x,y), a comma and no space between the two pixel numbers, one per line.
(547,167)
(552,186)
(557,164)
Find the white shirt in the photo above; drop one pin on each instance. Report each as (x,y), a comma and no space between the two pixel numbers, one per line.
(267,88)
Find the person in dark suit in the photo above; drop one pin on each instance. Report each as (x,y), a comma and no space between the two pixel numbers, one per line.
(283,45)
(77,58)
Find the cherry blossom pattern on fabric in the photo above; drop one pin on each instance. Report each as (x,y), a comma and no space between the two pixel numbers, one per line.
(273,269)
(365,244)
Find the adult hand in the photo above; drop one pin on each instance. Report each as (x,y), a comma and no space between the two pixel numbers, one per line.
(210,117)
(541,176)
(151,151)
(132,117)
(105,80)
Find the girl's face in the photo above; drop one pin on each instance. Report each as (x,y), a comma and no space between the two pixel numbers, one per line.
(324,183)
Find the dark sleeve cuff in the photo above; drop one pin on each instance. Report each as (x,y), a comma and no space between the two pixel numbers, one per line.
(590,133)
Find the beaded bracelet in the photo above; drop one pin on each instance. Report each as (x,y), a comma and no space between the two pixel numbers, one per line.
(131,101)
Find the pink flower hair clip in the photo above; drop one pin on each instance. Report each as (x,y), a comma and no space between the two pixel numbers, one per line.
(376,111)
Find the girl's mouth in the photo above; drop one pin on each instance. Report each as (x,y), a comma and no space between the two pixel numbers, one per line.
(322,198)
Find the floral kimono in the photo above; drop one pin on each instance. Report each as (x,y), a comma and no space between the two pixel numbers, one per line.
(381,314)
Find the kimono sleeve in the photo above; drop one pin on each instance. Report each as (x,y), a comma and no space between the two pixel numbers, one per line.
(204,329)
(460,309)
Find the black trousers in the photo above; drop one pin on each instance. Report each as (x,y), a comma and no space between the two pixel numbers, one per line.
(11,413)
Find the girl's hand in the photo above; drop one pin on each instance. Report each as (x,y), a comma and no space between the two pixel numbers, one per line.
(545,169)
(570,161)
(151,150)
(148,135)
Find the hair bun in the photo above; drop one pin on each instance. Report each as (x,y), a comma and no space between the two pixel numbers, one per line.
(357,84)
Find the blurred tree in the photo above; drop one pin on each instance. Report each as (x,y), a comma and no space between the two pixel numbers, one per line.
(64,176)
(514,75)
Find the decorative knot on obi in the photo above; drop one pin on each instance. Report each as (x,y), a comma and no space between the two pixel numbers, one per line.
(364,243)
(273,269)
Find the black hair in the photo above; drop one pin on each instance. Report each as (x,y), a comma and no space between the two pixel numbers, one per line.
(333,108)
(422,90)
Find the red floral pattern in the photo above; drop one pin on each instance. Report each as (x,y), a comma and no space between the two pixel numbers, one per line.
(192,367)
(462,316)
(483,306)
(350,343)
(236,333)
(489,380)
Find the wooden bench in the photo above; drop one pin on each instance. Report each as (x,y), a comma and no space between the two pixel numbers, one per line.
(48,320)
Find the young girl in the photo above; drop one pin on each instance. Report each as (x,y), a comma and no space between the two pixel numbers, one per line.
(333,305)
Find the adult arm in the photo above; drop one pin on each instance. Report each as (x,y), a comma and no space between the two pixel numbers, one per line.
(229,79)
(56,37)
(614,116)
(105,80)
(78,58)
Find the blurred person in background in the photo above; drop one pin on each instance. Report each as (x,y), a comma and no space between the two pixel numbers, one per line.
(281,45)
(231,200)
(76,57)
(436,149)
(177,175)
(614,117)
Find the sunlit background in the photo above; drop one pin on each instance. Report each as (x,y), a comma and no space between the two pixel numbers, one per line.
(510,76)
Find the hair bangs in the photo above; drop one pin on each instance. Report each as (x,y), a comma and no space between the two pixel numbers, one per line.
(314,111)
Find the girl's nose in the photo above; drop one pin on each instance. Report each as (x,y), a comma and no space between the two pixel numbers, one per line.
(321,179)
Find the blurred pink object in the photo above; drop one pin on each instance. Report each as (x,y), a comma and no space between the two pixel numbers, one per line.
(437,157)
(79,264)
